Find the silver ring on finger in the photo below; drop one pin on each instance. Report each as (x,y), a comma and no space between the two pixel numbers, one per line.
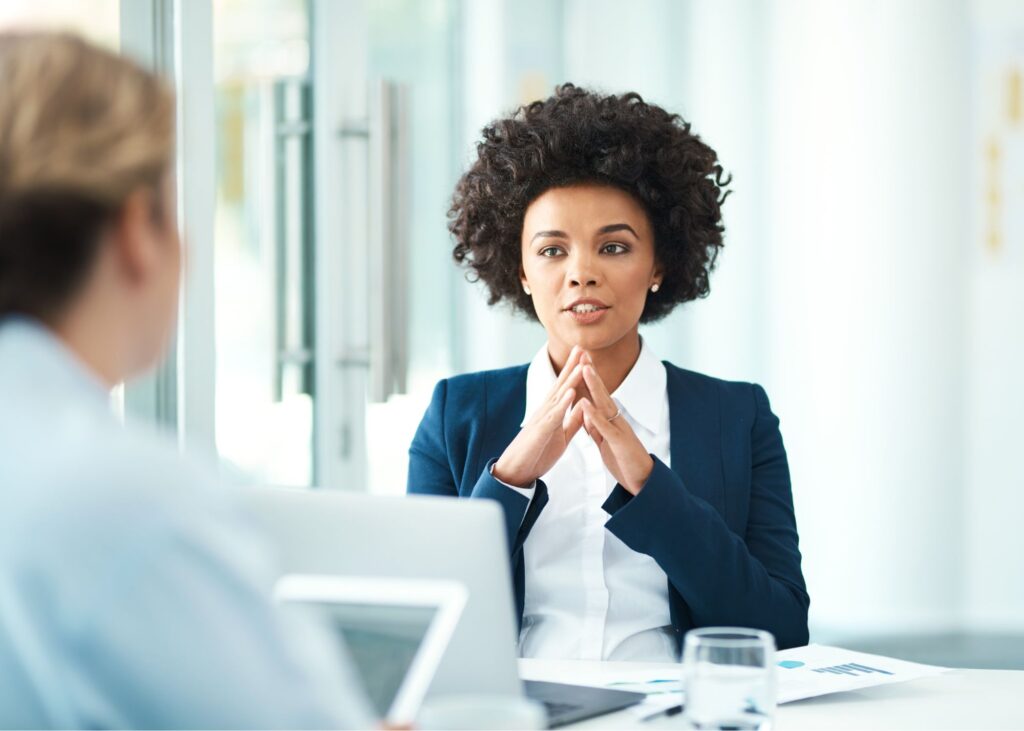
(618,413)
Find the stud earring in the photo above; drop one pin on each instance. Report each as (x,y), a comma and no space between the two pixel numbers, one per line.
(527,290)
(655,287)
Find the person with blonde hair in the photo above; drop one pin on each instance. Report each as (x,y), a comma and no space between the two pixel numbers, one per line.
(131,594)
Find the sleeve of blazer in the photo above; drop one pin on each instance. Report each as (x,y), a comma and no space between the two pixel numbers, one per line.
(752,580)
(432,472)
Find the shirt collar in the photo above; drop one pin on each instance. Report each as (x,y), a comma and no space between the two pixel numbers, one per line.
(641,395)
(540,377)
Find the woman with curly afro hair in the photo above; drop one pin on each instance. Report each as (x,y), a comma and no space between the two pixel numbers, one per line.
(641,499)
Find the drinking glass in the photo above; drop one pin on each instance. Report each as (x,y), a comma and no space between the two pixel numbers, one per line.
(729,679)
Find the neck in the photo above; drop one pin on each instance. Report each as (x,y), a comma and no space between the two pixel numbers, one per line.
(95,341)
(612,363)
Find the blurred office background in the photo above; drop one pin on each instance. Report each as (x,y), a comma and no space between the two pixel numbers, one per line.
(873,277)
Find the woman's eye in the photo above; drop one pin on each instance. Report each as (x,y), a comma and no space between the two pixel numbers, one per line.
(550,251)
(614,248)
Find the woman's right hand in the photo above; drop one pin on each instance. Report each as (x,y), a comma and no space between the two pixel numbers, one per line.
(544,438)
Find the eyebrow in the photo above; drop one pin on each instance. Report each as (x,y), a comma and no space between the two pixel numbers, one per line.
(610,228)
(549,235)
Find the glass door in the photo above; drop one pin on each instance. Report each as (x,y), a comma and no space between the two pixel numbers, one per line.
(263,258)
(336,143)
(386,157)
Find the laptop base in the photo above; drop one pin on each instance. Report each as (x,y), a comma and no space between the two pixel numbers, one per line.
(567,704)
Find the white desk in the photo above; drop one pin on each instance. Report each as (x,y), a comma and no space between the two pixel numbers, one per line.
(961,699)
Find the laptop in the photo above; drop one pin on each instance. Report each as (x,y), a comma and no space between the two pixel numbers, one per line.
(327,532)
(395,631)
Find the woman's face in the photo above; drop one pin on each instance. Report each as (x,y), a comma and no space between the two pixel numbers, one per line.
(588,261)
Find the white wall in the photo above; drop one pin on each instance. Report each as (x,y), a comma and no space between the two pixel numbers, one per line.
(724,99)
(994,484)
(867,222)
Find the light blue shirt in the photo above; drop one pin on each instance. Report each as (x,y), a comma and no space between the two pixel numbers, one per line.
(131,593)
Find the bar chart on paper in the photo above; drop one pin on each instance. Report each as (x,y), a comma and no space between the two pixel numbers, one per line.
(851,668)
(805,672)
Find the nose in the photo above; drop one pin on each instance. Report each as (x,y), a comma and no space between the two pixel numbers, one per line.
(583,269)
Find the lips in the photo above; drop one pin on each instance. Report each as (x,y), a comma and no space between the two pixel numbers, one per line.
(586,304)
(586,311)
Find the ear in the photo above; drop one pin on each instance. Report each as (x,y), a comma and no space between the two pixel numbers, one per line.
(658,275)
(132,236)
(522,281)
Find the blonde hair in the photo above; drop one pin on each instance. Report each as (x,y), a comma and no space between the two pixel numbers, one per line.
(77,118)
(81,128)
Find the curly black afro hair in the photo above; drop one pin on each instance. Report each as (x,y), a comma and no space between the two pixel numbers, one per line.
(579,136)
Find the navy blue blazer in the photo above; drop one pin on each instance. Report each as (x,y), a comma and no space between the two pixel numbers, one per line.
(719,523)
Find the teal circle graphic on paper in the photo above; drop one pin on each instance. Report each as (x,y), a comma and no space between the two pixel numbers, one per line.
(790,664)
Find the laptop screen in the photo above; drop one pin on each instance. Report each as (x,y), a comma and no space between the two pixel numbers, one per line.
(382,641)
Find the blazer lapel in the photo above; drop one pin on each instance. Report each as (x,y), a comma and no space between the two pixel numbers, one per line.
(694,424)
(504,406)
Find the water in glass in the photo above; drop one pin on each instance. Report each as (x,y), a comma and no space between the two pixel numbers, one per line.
(729,678)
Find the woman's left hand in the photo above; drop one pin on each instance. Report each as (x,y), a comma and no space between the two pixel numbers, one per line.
(623,453)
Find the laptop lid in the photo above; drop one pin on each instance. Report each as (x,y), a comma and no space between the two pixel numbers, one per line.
(351,534)
(394,630)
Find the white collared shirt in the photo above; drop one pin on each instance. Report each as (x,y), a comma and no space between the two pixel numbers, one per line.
(588,595)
